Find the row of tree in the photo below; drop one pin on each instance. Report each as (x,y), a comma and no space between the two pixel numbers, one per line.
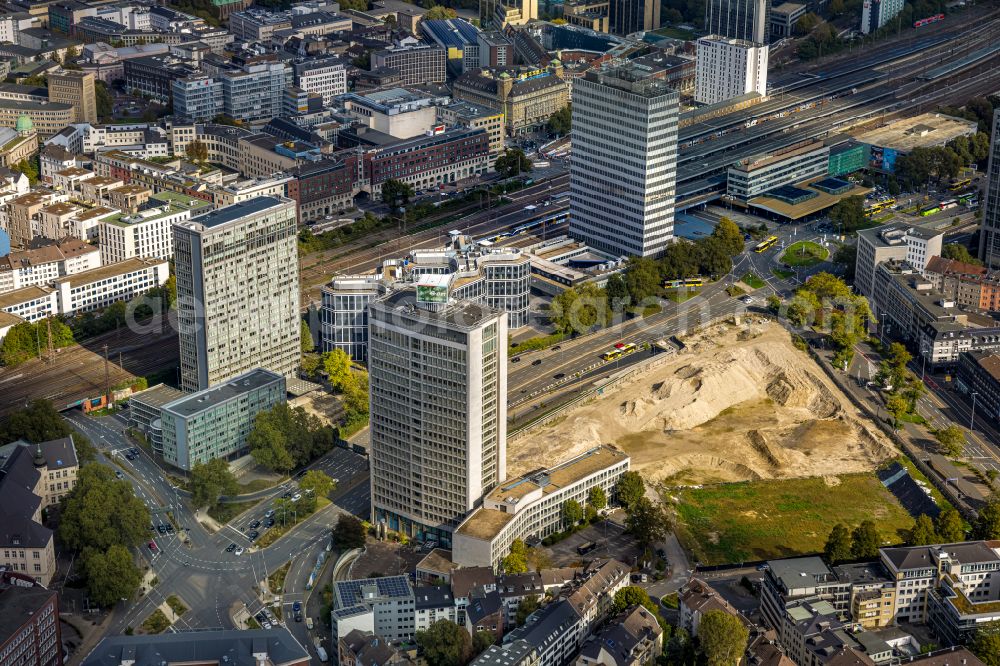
(284,438)
(29,340)
(825,302)
(579,309)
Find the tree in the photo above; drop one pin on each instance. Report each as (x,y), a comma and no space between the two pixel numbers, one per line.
(959,252)
(197,151)
(729,235)
(349,533)
(211,480)
(629,488)
(445,643)
(268,446)
(572,513)
(561,122)
(525,607)
(838,544)
(309,365)
(632,595)
(923,533)
(723,638)
(101,512)
(482,640)
(396,192)
(105,104)
(319,483)
(616,291)
(337,365)
(28,168)
(987,525)
(897,406)
(516,561)
(286,437)
(642,279)
(949,526)
(647,522)
(679,260)
(306,338)
(439,12)
(893,368)
(986,643)
(713,256)
(865,541)
(513,162)
(597,498)
(357,5)
(111,575)
(847,256)
(849,214)
(951,439)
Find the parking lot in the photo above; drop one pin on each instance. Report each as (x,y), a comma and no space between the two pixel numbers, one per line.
(386,558)
(611,540)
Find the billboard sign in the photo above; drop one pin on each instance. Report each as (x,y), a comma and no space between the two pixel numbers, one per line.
(433,288)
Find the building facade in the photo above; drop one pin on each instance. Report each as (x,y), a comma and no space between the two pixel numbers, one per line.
(416,64)
(624,204)
(727,68)
(238,292)
(876,13)
(738,19)
(146,233)
(438,387)
(76,88)
(98,288)
(989,242)
(628,16)
(756,175)
(30,634)
(893,242)
(215,422)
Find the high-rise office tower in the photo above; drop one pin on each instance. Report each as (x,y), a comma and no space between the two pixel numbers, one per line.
(624,161)
(989,235)
(238,292)
(738,19)
(628,16)
(438,390)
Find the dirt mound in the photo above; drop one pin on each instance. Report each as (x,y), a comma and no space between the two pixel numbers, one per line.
(738,402)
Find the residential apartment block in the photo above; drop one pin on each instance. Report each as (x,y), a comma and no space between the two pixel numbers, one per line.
(44,264)
(146,233)
(726,68)
(901,242)
(238,292)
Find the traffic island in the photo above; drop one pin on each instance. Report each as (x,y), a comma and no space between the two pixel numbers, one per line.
(804,254)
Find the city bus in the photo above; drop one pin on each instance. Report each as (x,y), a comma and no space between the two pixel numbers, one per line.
(966,198)
(949,204)
(765,244)
(686,282)
(959,184)
(930,210)
(621,349)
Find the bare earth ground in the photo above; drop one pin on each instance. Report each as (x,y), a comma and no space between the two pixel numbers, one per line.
(740,402)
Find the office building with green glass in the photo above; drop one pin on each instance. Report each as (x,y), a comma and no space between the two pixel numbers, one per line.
(215,422)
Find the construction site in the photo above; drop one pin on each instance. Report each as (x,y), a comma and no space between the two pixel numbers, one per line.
(735,403)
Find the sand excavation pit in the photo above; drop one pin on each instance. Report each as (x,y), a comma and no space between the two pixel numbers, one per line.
(740,402)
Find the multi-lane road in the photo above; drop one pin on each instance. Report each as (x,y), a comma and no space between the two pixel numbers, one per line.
(193,563)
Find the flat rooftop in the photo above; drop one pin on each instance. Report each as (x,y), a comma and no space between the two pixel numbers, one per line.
(157,396)
(111,270)
(220,393)
(810,206)
(22,295)
(464,315)
(238,211)
(925,130)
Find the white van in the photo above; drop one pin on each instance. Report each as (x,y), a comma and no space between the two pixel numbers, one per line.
(321,653)
(309,623)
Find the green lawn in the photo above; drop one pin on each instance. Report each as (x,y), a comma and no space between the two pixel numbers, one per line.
(223,513)
(757,520)
(176,605)
(156,623)
(804,253)
(752,281)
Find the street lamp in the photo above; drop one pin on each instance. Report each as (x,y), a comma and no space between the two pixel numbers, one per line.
(972,417)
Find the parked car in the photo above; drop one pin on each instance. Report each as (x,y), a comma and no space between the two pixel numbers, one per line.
(239,551)
(231,547)
(255,524)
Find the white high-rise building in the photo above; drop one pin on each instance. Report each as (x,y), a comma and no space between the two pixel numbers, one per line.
(622,180)
(989,241)
(726,68)
(438,391)
(876,13)
(238,292)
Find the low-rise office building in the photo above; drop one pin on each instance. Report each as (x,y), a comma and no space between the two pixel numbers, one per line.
(263,647)
(215,422)
(146,233)
(145,409)
(756,175)
(416,63)
(474,116)
(98,288)
(383,606)
(527,99)
(43,265)
(530,506)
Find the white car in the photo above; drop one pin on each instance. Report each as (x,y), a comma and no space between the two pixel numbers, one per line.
(238,551)
(296,497)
